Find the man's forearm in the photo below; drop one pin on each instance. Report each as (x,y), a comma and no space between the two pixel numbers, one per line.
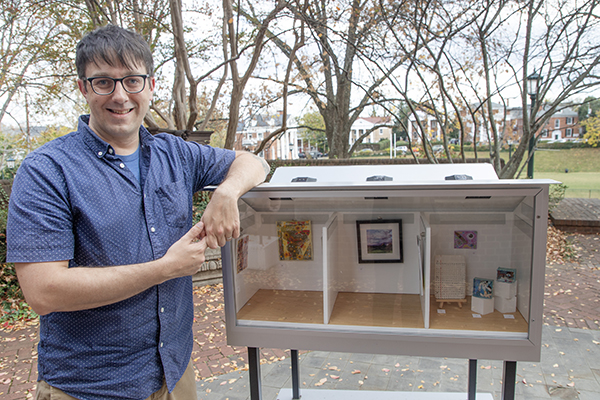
(221,216)
(246,171)
(53,286)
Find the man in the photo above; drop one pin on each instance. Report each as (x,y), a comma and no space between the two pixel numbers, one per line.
(100,231)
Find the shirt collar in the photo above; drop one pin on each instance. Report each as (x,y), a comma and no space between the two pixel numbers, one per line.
(99,146)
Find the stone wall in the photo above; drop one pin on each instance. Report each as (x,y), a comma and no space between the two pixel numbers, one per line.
(211,270)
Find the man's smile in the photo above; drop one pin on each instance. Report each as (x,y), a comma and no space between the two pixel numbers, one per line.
(120,111)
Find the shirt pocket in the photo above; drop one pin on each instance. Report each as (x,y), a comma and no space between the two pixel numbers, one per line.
(174,201)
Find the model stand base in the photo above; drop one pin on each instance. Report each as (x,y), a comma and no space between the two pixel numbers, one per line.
(321,394)
(458,301)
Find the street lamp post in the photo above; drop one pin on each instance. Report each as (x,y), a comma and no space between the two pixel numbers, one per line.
(533,88)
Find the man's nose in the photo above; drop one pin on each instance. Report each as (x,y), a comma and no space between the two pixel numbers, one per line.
(119,94)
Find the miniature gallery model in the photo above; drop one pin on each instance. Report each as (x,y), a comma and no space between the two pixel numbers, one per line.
(426,260)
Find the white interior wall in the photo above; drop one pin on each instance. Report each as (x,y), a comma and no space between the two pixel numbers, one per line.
(494,242)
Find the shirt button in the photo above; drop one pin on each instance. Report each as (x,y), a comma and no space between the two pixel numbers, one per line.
(162,309)
(122,165)
(110,151)
(161,344)
(152,229)
(100,153)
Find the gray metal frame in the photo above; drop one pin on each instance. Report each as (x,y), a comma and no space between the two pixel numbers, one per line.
(432,343)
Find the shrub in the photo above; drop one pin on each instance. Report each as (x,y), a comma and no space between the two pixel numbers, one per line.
(201,200)
(557,193)
(13,308)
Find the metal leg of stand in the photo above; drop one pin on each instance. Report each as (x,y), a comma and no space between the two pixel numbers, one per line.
(254,372)
(472,379)
(295,376)
(508,380)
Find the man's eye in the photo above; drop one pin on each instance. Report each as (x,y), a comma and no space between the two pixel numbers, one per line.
(134,80)
(102,82)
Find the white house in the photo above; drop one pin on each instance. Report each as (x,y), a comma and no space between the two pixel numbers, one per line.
(429,123)
(362,125)
(251,133)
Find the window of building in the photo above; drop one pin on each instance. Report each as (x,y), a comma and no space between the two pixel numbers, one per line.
(545,133)
(259,135)
(569,132)
(557,123)
(569,120)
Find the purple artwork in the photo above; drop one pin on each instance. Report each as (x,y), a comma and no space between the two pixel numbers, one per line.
(465,239)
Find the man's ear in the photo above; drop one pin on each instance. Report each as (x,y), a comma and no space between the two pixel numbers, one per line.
(152,83)
(82,86)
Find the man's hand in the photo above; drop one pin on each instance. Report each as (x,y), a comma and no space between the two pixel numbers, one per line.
(221,219)
(185,257)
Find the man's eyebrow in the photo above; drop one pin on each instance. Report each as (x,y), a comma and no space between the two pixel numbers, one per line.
(108,75)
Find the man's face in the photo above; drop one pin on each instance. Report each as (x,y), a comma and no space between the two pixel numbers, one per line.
(117,116)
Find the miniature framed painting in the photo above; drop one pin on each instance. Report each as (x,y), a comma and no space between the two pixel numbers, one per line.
(380,241)
(507,275)
(483,288)
(465,239)
(295,240)
(242,253)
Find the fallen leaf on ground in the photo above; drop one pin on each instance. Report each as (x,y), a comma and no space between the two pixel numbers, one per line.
(321,382)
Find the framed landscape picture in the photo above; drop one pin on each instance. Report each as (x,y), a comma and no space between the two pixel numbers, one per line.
(379,241)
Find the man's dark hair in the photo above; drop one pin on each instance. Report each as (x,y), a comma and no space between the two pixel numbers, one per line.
(113,45)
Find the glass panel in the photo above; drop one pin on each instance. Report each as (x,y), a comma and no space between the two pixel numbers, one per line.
(352,258)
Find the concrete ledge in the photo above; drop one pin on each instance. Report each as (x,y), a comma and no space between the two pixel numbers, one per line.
(577,215)
(211,271)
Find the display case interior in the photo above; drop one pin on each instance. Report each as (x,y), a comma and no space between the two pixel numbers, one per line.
(394,259)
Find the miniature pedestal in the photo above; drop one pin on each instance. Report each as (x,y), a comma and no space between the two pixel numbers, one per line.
(505,305)
(505,296)
(482,306)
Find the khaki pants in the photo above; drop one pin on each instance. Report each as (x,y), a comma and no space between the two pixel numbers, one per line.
(184,390)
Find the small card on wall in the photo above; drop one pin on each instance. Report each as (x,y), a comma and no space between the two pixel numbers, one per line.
(242,254)
(465,239)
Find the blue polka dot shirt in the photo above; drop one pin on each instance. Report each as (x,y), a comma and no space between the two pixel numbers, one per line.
(74,199)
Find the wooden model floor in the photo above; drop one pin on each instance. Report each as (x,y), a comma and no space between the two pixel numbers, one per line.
(377,309)
(462,319)
(372,309)
(284,306)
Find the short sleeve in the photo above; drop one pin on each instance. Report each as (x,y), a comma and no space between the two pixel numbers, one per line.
(39,226)
(206,165)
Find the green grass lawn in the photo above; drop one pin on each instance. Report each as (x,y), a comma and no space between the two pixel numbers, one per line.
(583,178)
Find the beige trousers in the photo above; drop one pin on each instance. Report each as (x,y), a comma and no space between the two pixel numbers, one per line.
(184,390)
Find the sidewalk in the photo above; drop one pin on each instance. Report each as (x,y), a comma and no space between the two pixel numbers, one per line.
(569,369)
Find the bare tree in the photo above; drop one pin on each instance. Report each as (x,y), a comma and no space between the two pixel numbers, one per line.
(340,34)
(476,55)
(239,82)
(32,37)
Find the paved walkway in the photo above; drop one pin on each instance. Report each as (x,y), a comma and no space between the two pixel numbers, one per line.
(577,215)
(569,369)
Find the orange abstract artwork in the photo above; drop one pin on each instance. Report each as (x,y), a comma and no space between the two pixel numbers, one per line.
(295,240)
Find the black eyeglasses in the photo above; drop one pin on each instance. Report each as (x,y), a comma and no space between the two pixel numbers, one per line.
(104,85)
